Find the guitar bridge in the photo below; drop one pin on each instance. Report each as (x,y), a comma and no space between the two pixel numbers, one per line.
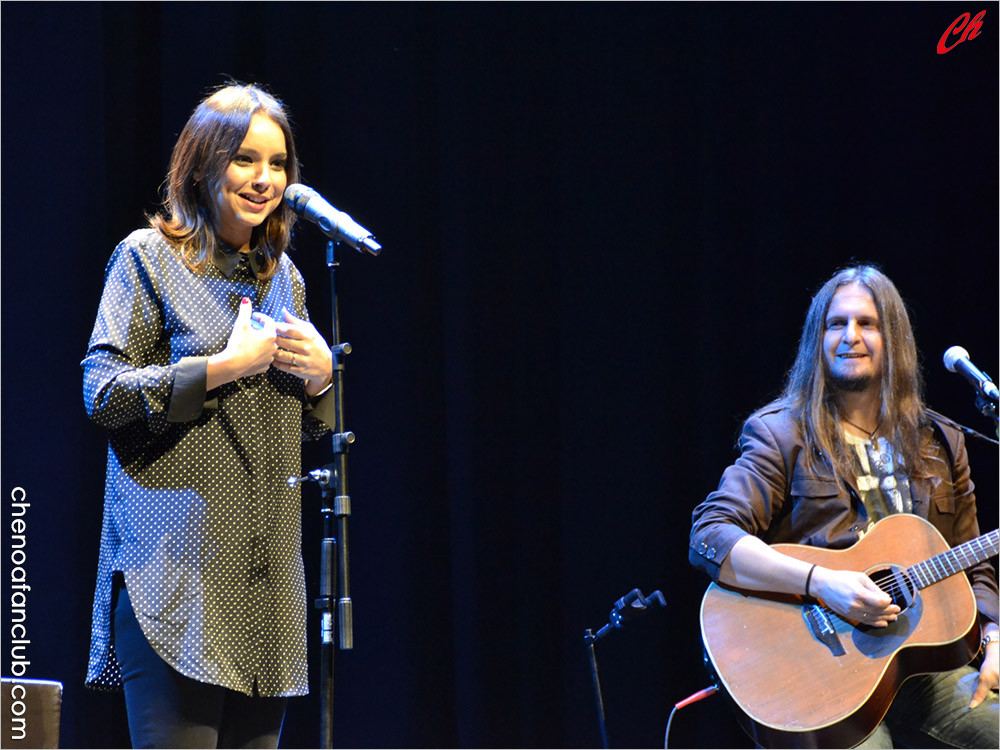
(822,628)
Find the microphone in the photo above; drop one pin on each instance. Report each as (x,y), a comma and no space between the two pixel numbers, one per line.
(335,224)
(956,359)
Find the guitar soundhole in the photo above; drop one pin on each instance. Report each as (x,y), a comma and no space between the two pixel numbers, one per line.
(897,583)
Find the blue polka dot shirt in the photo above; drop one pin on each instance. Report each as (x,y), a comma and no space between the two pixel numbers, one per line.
(198,515)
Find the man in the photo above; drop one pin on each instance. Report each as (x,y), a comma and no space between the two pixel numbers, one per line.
(848,443)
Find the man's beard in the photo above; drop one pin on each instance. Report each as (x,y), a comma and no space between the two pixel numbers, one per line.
(855,384)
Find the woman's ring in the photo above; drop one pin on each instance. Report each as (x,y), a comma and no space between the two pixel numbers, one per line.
(293,359)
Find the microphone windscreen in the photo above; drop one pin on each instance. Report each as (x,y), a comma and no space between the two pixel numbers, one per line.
(952,356)
(297,196)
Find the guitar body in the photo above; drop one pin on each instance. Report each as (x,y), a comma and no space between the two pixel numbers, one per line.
(793,689)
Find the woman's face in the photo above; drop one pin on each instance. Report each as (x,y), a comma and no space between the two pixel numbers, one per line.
(253,183)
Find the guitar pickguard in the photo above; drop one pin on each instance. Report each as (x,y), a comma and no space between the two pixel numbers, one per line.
(876,643)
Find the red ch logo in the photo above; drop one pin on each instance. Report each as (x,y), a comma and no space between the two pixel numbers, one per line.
(971,31)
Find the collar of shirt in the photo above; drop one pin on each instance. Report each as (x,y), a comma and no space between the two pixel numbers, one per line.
(228,260)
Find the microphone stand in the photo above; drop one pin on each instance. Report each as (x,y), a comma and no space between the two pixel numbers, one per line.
(986,407)
(629,606)
(334,557)
(590,639)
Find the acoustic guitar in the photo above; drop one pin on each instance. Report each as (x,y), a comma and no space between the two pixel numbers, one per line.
(802,676)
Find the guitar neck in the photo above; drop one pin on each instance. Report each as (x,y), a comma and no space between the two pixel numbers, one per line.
(956,559)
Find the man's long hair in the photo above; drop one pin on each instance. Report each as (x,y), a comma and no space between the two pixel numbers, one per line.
(814,402)
(210,139)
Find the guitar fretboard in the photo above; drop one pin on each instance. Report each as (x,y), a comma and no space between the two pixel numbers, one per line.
(956,559)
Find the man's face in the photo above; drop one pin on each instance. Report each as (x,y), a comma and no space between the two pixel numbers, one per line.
(852,339)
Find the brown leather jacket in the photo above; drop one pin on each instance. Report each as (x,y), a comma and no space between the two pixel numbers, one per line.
(771,493)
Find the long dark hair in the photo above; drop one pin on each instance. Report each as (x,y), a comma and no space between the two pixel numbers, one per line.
(814,404)
(208,142)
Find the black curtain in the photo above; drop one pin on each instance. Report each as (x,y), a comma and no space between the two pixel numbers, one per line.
(602,226)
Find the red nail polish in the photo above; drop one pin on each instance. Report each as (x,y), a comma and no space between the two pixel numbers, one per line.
(246,300)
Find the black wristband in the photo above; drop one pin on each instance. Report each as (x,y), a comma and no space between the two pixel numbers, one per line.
(809,578)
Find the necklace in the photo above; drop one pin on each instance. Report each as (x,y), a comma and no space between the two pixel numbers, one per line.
(870,434)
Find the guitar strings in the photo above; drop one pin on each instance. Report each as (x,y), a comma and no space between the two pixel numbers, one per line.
(896,583)
(939,566)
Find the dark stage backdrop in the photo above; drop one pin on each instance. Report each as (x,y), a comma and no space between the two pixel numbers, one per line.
(602,227)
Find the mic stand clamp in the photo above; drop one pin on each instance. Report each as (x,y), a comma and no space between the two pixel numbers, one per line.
(988,409)
(327,602)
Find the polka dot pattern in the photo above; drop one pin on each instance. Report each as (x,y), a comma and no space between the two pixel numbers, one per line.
(198,515)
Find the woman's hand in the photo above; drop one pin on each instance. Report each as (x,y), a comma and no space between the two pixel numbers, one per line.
(249,351)
(304,353)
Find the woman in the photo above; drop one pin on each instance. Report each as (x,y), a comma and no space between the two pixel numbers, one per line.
(206,373)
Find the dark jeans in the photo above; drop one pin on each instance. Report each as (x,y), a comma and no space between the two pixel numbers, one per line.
(168,710)
(933,711)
